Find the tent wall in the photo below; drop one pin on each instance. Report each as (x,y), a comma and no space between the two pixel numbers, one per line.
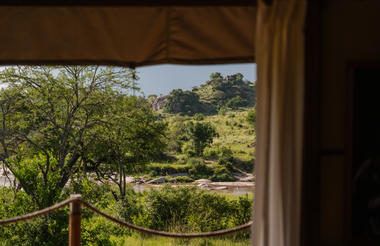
(350,33)
(120,3)
(131,36)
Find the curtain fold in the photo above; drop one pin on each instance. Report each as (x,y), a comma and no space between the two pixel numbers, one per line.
(280,103)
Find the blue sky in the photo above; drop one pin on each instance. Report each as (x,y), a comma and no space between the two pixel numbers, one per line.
(161,79)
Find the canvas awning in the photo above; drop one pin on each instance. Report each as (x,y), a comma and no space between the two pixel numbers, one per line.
(127,35)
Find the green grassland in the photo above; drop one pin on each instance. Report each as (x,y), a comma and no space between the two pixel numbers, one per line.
(236,139)
(159,241)
(235,133)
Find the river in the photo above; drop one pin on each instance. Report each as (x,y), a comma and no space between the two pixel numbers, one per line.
(233,188)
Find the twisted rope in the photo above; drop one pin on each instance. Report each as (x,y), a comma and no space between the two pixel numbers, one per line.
(123,223)
(167,234)
(39,212)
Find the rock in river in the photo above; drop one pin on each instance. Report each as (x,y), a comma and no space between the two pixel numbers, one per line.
(157,181)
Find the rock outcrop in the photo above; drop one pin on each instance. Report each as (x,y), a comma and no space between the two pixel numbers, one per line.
(159,102)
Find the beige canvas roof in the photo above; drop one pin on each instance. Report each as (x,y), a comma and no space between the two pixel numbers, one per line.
(127,35)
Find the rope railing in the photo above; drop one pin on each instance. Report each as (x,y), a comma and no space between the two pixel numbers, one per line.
(38,213)
(75,202)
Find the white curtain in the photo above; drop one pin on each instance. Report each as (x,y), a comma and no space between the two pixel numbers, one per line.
(280,104)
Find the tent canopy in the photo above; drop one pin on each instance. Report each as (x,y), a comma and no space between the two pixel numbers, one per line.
(126,34)
(145,3)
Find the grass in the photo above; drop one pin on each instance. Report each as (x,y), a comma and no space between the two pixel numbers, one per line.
(235,134)
(138,240)
(232,197)
(233,129)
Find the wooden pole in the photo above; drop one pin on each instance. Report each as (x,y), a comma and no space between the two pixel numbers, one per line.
(75,221)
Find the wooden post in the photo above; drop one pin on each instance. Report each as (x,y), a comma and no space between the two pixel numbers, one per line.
(75,222)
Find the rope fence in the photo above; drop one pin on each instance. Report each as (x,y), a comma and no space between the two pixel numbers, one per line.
(38,213)
(75,202)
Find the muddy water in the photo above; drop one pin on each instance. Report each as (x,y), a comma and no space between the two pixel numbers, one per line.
(234,188)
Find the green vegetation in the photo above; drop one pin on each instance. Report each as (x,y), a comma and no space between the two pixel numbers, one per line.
(220,132)
(201,136)
(182,209)
(251,117)
(158,241)
(59,120)
(218,92)
(184,102)
(80,129)
(227,148)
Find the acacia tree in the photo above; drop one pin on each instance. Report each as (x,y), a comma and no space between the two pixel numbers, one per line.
(46,113)
(132,136)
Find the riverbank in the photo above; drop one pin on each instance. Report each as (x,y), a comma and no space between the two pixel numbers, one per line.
(243,185)
(232,188)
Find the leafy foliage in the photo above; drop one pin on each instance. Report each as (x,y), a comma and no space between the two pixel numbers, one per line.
(181,209)
(201,135)
(199,117)
(132,136)
(49,111)
(48,230)
(42,186)
(231,92)
(251,117)
(62,128)
(185,209)
(185,102)
(236,102)
(56,121)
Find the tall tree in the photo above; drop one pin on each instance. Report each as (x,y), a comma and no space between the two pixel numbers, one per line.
(132,136)
(48,111)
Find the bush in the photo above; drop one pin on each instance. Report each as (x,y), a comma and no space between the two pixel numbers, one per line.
(227,163)
(210,153)
(165,169)
(183,102)
(186,209)
(225,152)
(180,209)
(222,111)
(188,149)
(97,230)
(222,174)
(198,117)
(200,171)
(181,179)
(214,153)
(91,191)
(251,117)
(247,166)
(47,230)
(236,102)
(175,146)
(201,135)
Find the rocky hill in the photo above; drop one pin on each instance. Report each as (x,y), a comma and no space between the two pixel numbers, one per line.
(159,102)
(216,93)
